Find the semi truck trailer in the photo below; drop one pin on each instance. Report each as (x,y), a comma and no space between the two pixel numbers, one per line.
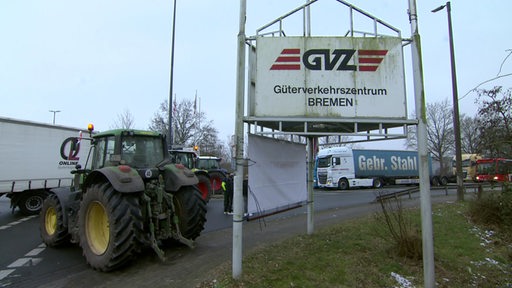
(36,157)
(343,168)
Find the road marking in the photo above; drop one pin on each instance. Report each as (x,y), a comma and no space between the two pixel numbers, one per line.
(5,273)
(19,262)
(35,252)
(24,261)
(17,222)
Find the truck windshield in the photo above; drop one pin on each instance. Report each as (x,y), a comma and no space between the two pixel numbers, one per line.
(324,162)
(486,168)
(504,167)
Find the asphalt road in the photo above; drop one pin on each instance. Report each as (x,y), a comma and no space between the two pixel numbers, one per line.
(26,262)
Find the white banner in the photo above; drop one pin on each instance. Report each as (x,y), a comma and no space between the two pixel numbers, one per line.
(329,77)
(277,175)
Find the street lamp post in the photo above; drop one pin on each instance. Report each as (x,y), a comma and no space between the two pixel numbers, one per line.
(456,122)
(171,140)
(54,112)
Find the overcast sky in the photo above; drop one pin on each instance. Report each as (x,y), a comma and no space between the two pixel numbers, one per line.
(94,59)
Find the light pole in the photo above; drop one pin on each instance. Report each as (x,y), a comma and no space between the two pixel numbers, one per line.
(54,112)
(456,122)
(171,140)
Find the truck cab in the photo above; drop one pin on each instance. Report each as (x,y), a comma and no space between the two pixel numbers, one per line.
(336,169)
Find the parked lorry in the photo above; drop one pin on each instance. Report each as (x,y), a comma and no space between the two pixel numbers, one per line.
(35,158)
(468,166)
(129,196)
(343,168)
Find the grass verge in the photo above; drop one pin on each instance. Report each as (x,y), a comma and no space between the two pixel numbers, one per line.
(359,253)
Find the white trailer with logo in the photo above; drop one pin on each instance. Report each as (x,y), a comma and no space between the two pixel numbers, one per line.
(36,157)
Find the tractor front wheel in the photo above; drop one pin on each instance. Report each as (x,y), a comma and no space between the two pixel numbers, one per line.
(51,222)
(110,224)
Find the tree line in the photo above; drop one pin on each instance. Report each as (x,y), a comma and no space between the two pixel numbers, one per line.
(190,127)
(488,133)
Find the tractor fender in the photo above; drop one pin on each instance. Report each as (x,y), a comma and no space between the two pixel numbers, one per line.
(123,178)
(176,176)
(67,199)
(201,172)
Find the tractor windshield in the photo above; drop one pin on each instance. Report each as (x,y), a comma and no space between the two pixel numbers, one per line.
(142,151)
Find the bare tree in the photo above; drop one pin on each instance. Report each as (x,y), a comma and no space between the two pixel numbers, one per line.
(124,120)
(160,119)
(440,140)
(495,121)
(336,141)
(190,127)
(470,135)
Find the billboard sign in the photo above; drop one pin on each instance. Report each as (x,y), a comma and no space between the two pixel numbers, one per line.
(329,77)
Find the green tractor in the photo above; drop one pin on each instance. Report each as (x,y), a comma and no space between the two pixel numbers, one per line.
(188,159)
(207,169)
(130,198)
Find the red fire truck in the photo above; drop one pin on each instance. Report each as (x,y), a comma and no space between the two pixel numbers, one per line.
(494,170)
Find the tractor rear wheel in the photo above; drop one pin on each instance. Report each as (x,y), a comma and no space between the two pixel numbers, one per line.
(51,222)
(216,178)
(204,186)
(110,226)
(191,211)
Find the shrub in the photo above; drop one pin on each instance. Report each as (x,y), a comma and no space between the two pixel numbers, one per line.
(494,209)
(405,236)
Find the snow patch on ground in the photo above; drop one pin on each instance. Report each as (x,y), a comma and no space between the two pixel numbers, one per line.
(402,281)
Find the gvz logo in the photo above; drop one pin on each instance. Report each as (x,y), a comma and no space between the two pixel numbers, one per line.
(325,59)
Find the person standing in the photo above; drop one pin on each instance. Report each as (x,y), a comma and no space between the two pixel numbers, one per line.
(227,186)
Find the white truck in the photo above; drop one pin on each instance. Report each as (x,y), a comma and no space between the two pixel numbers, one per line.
(35,158)
(343,168)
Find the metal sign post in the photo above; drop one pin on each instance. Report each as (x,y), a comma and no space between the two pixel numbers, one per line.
(425,201)
(238,200)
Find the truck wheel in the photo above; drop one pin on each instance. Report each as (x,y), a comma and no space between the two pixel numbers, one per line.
(435,181)
(443,181)
(110,224)
(51,222)
(343,184)
(191,211)
(377,183)
(30,203)
(204,186)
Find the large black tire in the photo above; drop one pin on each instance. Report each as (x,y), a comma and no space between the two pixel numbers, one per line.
(191,211)
(435,181)
(51,222)
(343,184)
(205,187)
(110,227)
(30,203)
